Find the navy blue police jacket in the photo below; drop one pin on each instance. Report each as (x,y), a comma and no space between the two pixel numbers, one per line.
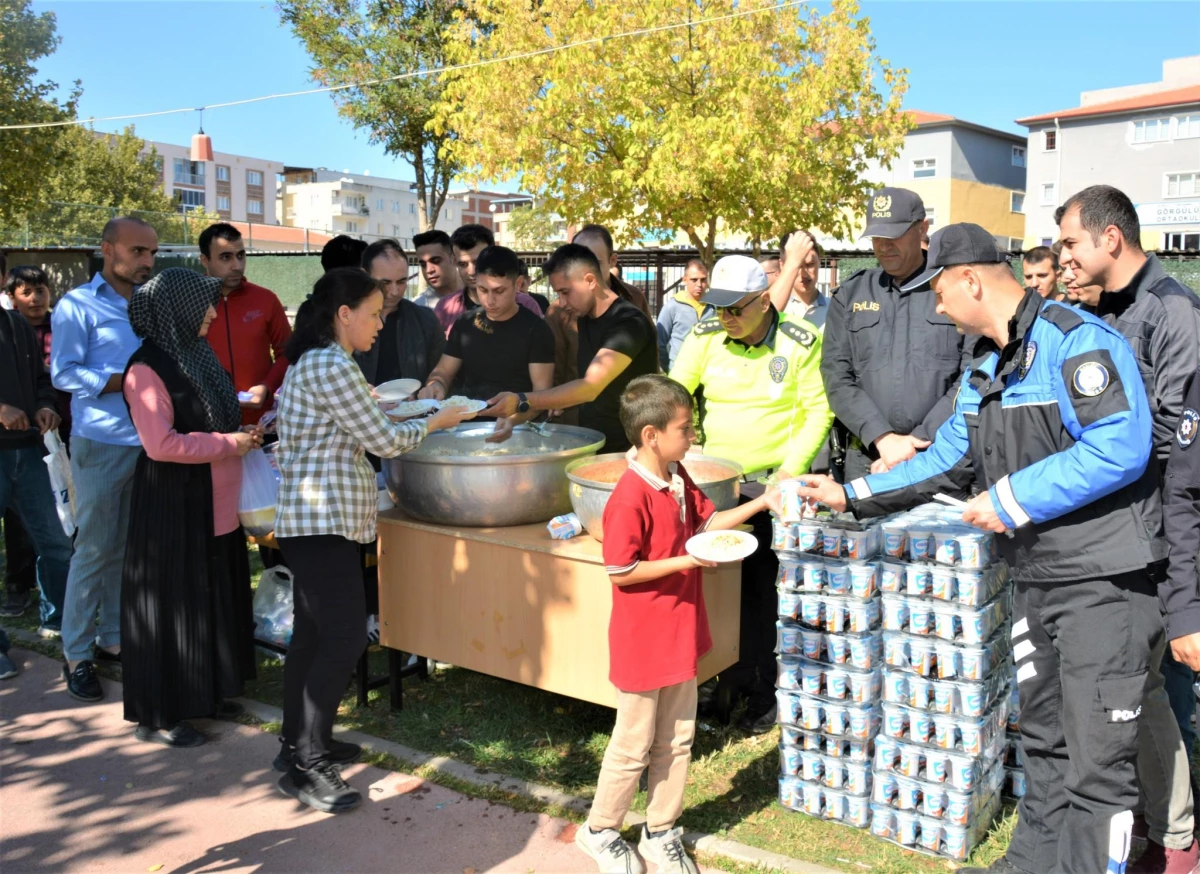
(1057,428)
(1179,593)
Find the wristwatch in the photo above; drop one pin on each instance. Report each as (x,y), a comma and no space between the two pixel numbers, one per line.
(522,402)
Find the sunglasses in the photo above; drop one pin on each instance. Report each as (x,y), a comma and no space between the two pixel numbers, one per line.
(735,311)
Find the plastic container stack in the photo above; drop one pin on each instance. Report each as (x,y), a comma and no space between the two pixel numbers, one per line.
(830,677)
(939,762)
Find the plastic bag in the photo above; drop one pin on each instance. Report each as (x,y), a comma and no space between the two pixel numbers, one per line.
(61,484)
(256,500)
(273,616)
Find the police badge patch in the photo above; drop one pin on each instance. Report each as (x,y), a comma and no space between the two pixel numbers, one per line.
(1091,379)
(1188,423)
(1027,361)
(778,368)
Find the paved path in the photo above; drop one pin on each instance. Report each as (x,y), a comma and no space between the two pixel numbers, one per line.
(78,793)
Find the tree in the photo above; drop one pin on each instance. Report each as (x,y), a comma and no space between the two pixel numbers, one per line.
(357,40)
(534,228)
(26,155)
(762,122)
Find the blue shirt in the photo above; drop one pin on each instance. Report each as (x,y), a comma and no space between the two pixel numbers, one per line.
(92,339)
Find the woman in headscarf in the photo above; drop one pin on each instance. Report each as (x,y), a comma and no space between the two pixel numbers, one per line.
(186,621)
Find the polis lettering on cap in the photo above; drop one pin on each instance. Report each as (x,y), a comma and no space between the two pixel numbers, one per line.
(891,212)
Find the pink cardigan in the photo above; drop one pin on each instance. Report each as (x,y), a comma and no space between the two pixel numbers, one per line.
(154,417)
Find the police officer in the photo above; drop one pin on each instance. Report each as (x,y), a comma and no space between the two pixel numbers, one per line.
(1100,235)
(890,361)
(765,408)
(1052,421)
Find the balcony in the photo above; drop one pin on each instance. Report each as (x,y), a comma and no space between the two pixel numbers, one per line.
(182,178)
(349,209)
(352,187)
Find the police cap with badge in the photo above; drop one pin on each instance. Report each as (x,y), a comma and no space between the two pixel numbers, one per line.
(891,212)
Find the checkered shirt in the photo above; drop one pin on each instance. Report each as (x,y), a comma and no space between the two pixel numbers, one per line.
(327,422)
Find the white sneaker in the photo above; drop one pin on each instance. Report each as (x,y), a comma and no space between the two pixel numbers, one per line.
(372,630)
(666,851)
(611,852)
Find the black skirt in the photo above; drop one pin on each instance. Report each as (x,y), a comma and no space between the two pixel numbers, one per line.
(187,626)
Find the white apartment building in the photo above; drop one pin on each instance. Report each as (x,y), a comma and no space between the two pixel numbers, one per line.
(357,204)
(1142,139)
(236,187)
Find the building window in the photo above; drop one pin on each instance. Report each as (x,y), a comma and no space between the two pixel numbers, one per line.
(1049,194)
(189,199)
(222,173)
(189,172)
(412,209)
(1189,127)
(1018,156)
(923,168)
(1047,241)
(1017,201)
(395,230)
(316,200)
(1050,141)
(254,177)
(222,203)
(396,207)
(352,227)
(379,204)
(1183,240)
(1152,130)
(1181,185)
(254,206)
(931,216)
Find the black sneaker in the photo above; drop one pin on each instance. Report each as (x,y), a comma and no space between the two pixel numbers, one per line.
(16,603)
(182,735)
(340,753)
(1000,866)
(321,788)
(82,683)
(760,723)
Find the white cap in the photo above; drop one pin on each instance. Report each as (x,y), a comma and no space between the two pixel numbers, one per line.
(733,278)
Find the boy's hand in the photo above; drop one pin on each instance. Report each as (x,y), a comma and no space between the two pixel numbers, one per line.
(702,562)
(773,497)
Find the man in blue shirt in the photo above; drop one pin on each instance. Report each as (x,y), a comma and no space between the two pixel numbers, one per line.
(1053,428)
(90,346)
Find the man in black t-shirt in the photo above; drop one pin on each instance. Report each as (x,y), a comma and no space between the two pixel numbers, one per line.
(499,345)
(617,343)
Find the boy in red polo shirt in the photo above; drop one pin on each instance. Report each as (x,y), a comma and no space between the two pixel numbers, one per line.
(658,629)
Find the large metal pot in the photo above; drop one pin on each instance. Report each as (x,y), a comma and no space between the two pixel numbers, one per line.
(456,478)
(589,496)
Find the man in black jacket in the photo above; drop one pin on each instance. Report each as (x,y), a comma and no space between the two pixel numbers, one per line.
(411,342)
(28,409)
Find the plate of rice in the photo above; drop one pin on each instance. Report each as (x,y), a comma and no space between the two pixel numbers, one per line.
(468,404)
(722,546)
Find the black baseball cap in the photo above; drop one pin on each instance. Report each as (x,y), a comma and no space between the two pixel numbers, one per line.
(963,243)
(891,212)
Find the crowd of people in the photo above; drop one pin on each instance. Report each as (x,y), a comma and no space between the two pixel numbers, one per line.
(1064,406)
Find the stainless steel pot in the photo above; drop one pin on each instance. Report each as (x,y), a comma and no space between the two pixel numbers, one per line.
(589,497)
(456,478)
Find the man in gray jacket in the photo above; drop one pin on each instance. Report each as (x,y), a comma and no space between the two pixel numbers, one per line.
(681,312)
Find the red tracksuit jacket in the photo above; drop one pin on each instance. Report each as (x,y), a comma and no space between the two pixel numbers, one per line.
(248,336)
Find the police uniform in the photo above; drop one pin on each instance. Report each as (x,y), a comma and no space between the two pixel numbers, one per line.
(1056,426)
(890,362)
(765,408)
(1180,592)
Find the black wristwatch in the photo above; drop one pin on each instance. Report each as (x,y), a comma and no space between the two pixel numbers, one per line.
(522,402)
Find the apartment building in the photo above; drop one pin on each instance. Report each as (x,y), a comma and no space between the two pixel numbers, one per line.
(235,187)
(1143,139)
(358,204)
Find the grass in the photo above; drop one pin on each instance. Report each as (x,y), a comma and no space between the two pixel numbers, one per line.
(537,736)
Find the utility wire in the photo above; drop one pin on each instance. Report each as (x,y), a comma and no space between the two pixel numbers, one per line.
(436,71)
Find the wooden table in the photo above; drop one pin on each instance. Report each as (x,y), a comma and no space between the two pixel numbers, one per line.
(515,604)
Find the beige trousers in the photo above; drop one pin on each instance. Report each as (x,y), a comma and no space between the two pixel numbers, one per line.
(653,729)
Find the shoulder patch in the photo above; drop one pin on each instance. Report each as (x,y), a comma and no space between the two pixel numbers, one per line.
(797,333)
(1188,423)
(707,326)
(1065,318)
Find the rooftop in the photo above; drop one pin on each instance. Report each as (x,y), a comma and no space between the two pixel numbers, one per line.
(1174,97)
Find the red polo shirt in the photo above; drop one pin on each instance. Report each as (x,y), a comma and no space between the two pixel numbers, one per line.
(248,335)
(659,629)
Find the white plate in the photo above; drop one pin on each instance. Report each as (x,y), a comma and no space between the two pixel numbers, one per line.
(708,546)
(471,406)
(412,408)
(397,389)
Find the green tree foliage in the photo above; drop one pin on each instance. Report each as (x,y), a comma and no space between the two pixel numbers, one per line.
(357,40)
(751,124)
(26,155)
(533,228)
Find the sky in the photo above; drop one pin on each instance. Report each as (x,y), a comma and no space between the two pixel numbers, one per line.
(985,62)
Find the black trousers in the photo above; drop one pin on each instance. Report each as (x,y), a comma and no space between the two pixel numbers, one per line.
(1083,653)
(753,676)
(328,637)
(20,560)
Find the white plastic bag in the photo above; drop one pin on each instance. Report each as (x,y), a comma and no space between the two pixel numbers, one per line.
(256,500)
(273,612)
(61,484)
